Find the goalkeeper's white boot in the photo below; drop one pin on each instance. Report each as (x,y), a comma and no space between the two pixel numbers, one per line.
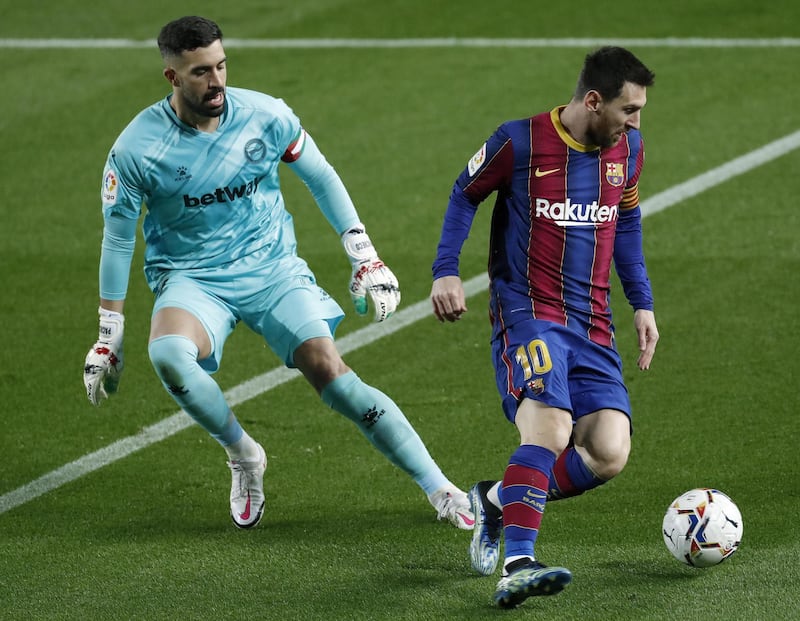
(452,504)
(247,489)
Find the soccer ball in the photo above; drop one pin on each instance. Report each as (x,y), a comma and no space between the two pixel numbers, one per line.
(702,527)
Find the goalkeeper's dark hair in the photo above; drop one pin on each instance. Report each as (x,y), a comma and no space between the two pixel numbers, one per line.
(607,69)
(187,33)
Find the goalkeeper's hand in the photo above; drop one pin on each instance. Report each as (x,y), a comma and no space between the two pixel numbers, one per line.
(370,276)
(104,361)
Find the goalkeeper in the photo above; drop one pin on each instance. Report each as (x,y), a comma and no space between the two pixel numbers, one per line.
(221,248)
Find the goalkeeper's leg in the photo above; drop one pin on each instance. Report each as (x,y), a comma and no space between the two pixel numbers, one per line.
(383,423)
(174,358)
(385,426)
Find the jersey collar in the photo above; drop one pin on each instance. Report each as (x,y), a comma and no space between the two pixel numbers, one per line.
(555,118)
(175,119)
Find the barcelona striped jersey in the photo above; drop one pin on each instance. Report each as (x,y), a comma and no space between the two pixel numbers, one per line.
(563,212)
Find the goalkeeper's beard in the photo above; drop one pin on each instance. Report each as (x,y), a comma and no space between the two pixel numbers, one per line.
(202,107)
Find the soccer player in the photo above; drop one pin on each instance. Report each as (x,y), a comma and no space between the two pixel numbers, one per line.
(221,248)
(567,204)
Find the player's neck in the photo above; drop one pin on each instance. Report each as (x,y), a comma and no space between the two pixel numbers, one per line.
(206,124)
(202,123)
(574,122)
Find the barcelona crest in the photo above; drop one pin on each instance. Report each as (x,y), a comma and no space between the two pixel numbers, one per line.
(536,386)
(615,173)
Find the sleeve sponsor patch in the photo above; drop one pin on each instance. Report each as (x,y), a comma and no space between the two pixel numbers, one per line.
(477,160)
(110,187)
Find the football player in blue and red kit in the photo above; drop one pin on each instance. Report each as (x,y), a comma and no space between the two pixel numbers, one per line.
(567,205)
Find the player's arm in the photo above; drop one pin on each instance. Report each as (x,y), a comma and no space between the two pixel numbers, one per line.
(104,362)
(447,292)
(116,255)
(632,271)
(370,277)
(629,257)
(122,203)
(488,170)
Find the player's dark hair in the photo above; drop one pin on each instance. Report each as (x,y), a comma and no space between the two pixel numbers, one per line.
(187,33)
(607,69)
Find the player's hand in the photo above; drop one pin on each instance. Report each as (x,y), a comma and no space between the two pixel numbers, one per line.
(377,280)
(104,363)
(645,323)
(370,276)
(447,297)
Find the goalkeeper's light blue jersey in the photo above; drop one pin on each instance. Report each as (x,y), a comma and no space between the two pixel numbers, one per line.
(210,198)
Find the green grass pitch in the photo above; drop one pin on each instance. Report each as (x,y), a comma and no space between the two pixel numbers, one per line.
(346,536)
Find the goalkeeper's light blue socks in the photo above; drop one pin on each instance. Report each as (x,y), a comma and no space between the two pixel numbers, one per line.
(386,427)
(174,358)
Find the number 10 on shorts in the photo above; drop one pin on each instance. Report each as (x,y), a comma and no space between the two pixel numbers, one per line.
(535,358)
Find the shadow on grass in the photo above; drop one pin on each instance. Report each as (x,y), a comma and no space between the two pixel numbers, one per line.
(646,571)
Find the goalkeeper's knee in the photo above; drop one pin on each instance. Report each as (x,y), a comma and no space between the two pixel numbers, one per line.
(174,358)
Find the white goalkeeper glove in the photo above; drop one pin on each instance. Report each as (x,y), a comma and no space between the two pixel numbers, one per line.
(104,361)
(370,276)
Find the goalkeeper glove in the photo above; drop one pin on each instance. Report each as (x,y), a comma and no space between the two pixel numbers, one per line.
(104,361)
(370,276)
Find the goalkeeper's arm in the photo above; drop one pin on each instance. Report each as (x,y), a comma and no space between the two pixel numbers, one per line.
(370,276)
(307,162)
(104,361)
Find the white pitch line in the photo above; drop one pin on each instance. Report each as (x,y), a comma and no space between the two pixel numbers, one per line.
(720,174)
(442,42)
(363,337)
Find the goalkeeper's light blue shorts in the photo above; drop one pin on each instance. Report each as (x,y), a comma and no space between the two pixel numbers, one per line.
(279,300)
(547,362)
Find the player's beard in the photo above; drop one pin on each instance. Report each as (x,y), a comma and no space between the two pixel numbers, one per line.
(605,139)
(201,107)
(604,136)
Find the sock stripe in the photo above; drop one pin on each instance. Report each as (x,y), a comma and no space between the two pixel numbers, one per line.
(571,476)
(524,495)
